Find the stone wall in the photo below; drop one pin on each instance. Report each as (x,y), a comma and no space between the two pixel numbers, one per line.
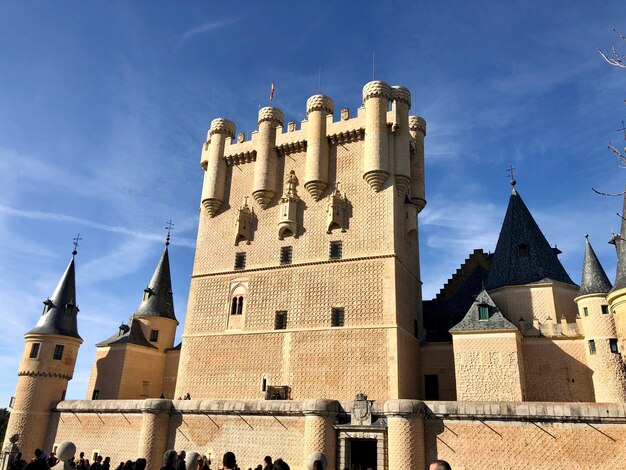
(526,435)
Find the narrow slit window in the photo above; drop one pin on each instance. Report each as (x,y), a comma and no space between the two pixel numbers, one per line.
(34,350)
(613,345)
(240,306)
(335,250)
(286,253)
(585,311)
(233,306)
(95,395)
(58,352)
(592,346)
(337,316)
(240,260)
(416,331)
(280,320)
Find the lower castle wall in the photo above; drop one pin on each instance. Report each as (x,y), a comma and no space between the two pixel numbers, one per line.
(469,435)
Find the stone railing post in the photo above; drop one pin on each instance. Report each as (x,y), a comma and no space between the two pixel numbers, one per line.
(319,434)
(154,431)
(405,433)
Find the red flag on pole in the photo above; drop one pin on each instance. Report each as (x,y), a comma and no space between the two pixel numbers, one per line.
(272,91)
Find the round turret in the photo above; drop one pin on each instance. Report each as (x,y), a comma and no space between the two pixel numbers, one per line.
(376,97)
(320,103)
(401,94)
(376,89)
(264,186)
(417,124)
(214,187)
(316,169)
(272,115)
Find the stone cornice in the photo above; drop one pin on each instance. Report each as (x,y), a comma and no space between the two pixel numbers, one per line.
(33,373)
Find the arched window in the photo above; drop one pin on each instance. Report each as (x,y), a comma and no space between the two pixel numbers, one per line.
(233,306)
(240,305)
(238,295)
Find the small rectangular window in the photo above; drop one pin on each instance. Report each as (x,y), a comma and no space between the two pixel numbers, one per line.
(95,395)
(585,311)
(240,260)
(613,345)
(335,250)
(146,294)
(63,395)
(522,250)
(69,310)
(58,352)
(154,336)
(264,384)
(280,320)
(337,316)
(34,350)
(592,346)
(286,253)
(605,309)
(483,312)
(431,387)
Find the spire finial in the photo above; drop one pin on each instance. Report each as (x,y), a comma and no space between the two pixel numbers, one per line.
(511,171)
(76,240)
(587,236)
(169,226)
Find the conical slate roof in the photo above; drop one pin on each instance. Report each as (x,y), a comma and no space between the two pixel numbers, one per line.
(472,321)
(60,310)
(158,300)
(594,280)
(620,246)
(523,254)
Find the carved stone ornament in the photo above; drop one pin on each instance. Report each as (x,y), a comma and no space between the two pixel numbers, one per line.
(244,223)
(288,224)
(335,211)
(361,414)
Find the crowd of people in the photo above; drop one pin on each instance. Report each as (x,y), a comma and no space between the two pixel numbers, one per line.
(172,460)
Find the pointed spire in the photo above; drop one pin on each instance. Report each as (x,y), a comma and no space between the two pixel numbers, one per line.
(157,297)
(523,255)
(620,246)
(60,310)
(594,280)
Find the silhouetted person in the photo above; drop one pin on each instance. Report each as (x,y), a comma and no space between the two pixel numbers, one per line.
(229,461)
(280,464)
(140,464)
(182,465)
(39,462)
(440,465)
(267,463)
(170,459)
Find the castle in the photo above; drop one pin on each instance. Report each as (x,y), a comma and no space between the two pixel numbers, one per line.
(306,331)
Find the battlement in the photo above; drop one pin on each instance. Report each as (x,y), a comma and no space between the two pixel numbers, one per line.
(393,146)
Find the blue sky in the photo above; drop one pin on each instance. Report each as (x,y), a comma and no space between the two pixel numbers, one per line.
(104,107)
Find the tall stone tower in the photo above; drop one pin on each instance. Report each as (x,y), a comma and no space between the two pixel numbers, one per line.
(306,277)
(139,361)
(47,365)
(609,373)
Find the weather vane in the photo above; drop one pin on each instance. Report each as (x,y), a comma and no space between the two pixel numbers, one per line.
(169,226)
(511,171)
(76,240)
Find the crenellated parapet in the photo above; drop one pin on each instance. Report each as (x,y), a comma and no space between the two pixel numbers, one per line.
(393,145)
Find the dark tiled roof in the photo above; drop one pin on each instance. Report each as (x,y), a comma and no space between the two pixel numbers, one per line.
(160,302)
(59,316)
(620,246)
(132,335)
(535,260)
(594,280)
(471,321)
(456,297)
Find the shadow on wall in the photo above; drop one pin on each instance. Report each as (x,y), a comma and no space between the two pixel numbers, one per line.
(109,369)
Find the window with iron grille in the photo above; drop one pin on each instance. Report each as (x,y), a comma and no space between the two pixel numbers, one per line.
(240,260)
(337,316)
(335,250)
(592,346)
(286,253)
(280,320)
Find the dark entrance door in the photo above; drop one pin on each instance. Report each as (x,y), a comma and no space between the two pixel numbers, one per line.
(362,454)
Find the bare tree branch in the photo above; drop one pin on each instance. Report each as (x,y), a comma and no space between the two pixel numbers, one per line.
(621,158)
(616,60)
(607,194)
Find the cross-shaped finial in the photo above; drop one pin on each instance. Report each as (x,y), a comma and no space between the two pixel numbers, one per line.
(169,226)
(511,171)
(76,240)
(623,129)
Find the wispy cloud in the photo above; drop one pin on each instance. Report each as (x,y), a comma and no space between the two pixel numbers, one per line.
(205,28)
(37,215)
